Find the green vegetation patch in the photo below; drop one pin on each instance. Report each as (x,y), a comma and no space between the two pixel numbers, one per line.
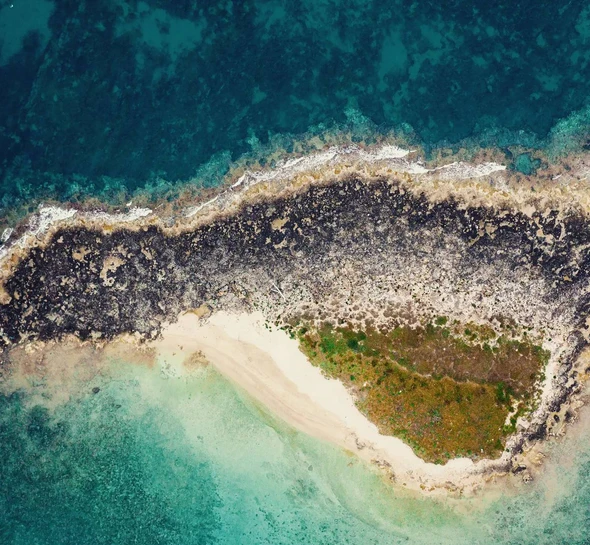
(445,390)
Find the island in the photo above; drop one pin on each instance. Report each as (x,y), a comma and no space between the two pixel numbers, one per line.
(448,299)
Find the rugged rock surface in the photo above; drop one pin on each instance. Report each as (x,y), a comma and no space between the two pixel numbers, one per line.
(351,250)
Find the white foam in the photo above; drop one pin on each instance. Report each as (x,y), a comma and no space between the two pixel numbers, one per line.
(194,209)
(6,234)
(386,155)
(49,215)
(416,167)
(134,214)
(388,152)
(461,170)
(46,216)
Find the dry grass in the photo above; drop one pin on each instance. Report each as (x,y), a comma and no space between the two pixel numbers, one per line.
(447,391)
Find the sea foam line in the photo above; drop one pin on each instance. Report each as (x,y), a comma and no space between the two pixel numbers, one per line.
(389,155)
(50,215)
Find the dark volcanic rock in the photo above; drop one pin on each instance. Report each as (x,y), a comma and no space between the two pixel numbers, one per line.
(293,250)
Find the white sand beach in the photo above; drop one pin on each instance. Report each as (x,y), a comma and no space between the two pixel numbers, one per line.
(269,366)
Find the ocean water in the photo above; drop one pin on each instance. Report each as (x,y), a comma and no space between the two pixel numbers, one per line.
(136,456)
(108,97)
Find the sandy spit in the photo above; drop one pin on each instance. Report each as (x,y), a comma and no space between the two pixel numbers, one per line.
(269,366)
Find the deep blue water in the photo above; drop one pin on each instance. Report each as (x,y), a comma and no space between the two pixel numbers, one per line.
(104,96)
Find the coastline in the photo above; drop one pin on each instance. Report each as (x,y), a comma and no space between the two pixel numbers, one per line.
(267,364)
(480,180)
(485,183)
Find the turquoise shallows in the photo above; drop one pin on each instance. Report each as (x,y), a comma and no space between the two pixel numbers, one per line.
(138,458)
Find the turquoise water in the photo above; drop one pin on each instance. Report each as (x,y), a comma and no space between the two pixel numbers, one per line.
(148,459)
(110,97)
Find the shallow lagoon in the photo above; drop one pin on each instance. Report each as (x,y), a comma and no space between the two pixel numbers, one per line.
(140,455)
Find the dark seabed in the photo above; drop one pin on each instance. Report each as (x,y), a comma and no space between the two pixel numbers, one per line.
(110,99)
(106,96)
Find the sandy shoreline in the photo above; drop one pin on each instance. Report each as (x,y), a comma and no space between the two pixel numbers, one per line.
(269,366)
(266,363)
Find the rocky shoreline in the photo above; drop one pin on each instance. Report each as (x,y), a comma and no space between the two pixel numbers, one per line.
(373,242)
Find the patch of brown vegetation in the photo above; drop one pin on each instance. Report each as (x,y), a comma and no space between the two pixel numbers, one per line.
(445,394)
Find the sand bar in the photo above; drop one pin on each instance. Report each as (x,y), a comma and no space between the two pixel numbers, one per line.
(268,364)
